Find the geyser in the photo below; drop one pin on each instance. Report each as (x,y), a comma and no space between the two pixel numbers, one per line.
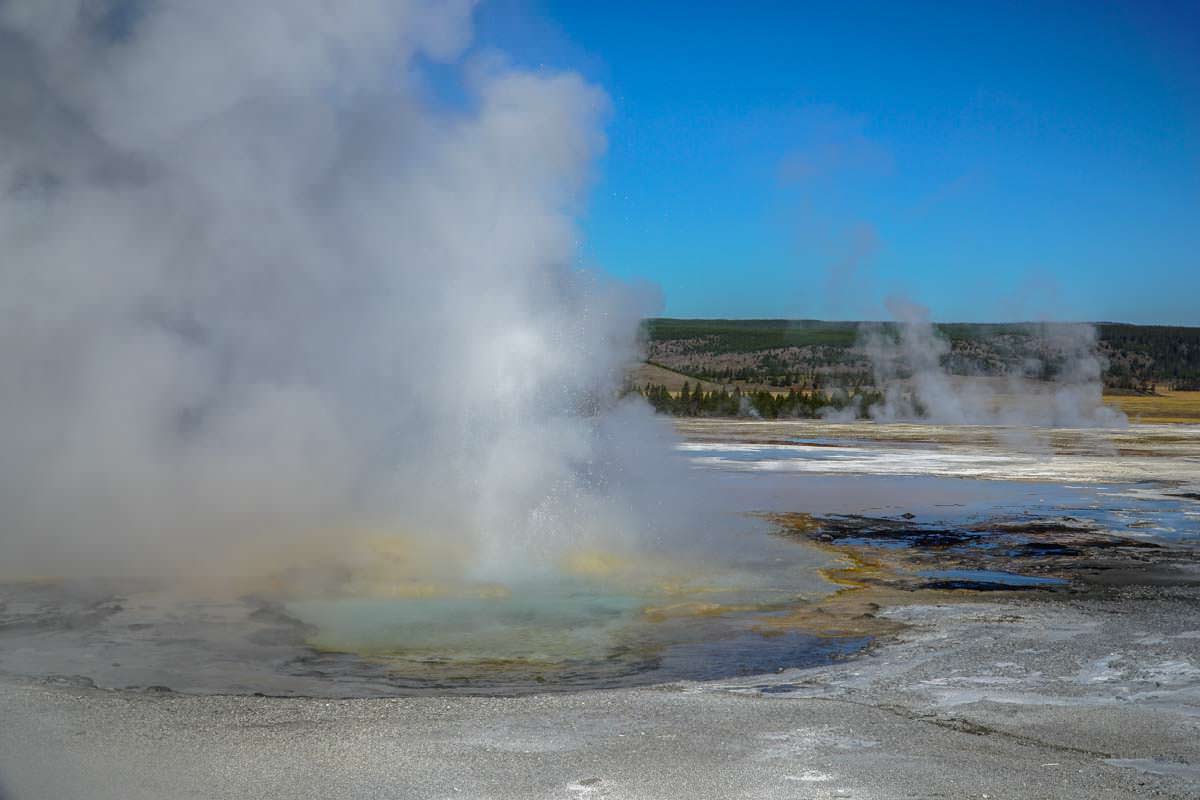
(281,319)
(262,286)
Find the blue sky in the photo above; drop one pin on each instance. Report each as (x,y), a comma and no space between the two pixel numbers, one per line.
(990,160)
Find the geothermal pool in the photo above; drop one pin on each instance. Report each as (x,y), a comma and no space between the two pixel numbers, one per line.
(586,627)
(601,621)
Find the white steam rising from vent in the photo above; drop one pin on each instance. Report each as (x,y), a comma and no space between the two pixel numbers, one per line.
(257,284)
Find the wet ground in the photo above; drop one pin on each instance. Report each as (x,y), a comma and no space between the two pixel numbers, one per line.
(560,633)
(1013,697)
(1031,596)
(909,507)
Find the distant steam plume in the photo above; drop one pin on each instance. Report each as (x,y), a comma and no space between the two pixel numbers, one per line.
(256,286)
(1055,380)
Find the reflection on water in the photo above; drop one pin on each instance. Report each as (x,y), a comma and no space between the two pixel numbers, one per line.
(990,577)
(1167,453)
(1140,481)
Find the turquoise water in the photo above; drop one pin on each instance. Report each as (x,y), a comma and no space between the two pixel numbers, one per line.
(552,621)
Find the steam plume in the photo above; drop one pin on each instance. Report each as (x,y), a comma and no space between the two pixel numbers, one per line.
(255,285)
(910,369)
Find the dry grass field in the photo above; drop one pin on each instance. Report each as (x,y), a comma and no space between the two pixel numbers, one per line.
(652,374)
(647,374)
(1167,406)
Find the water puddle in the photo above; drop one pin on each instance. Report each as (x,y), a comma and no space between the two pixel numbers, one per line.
(985,579)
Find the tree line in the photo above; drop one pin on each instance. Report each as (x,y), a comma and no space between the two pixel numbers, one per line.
(1172,355)
(1139,356)
(692,401)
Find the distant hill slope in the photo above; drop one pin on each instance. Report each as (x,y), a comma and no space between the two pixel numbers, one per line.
(817,353)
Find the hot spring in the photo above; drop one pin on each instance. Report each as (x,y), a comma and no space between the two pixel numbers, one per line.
(382,612)
(385,622)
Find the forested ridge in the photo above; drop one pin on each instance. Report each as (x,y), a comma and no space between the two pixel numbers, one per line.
(815,355)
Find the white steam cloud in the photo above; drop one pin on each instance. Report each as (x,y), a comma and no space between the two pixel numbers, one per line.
(257,285)
(910,369)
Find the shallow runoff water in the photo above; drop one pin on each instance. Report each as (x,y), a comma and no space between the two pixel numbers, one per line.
(580,629)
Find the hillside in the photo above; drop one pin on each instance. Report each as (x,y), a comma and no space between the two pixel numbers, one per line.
(817,354)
